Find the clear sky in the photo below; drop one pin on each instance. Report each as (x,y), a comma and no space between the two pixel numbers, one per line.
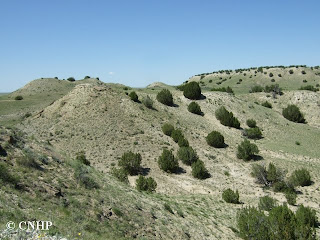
(137,42)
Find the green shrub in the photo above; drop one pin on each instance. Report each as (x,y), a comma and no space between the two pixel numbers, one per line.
(223,89)
(146,184)
(147,101)
(6,176)
(266,203)
(187,155)
(266,104)
(81,157)
(182,142)
(3,152)
(270,74)
(247,150)
(256,88)
(199,170)
(291,197)
(130,162)
(84,177)
(19,97)
(274,88)
(307,221)
(194,108)
(260,174)
(134,97)
(120,174)
(251,123)
(230,196)
(176,134)
(253,133)
(215,139)
(165,97)
(252,224)
(192,91)
(71,79)
(226,118)
(86,77)
(291,71)
(301,177)
(167,129)
(292,113)
(309,88)
(167,162)
(274,174)
(281,223)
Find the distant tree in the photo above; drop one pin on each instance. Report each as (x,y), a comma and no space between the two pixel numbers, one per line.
(130,162)
(147,101)
(266,104)
(167,129)
(176,134)
(215,139)
(165,97)
(251,123)
(187,155)
(19,97)
(167,161)
(292,113)
(194,108)
(199,170)
(226,118)
(134,97)
(71,79)
(247,150)
(192,91)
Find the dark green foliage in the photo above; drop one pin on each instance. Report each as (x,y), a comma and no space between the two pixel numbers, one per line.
(274,174)
(291,71)
(165,97)
(215,139)
(117,212)
(71,79)
(120,174)
(182,142)
(292,113)
(199,170)
(303,72)
(3,152)
(274,88)
(301,177)
(307,221)
(223,89)
(251,123)
(19,97)
(194,107)
(176,134)
(230,196)
(167,162)
(147,101)
(6,176)
(247,150)
(252,224)
(81,157)
(281,223)
(253,133)
(192,91)
(266,203)
(130,162)
(279,75)
(270,74)
(260,173)
(146,184)
(309,88)
(86,77)
(167,129)
(134,97)
(291,197)
(84,176)
(187,155)
(226,118)
(282,186)
(266,104)
(256,88)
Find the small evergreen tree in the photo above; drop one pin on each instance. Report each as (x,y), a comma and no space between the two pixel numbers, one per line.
(301,177)
(199,170)
(194,107)
(134,97)
(292,113)
(146,184)
(187,155)
(147,101)
(230,196)
(247,150)
(226,118)
(266,203)
(167,162)
(215,139)
(251,123)
(167,129)
(192,90)
(130,162)
(165,97)
(253,133)
(176,134)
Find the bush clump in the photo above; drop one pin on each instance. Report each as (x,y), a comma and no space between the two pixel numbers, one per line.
(301,177)
(253,133)
(251,123)
(215,139)
(130,162)
(307,221)
(187,155)
(223,89)
(133,96)
(192,90)
(266,203)
(120,174)
(256,88)
(226,118)
(291,197)
(176,134)
(81,157)
(6,176)
(83,175)
(146,184)
(148,102)
(194,107)
(19,97)
(266,104)
(71,79)
(247,150)
(309,88)
(167,162)
(292,113)
(182,142)
(167,129)
(230,196)
(165,97)
(199,170)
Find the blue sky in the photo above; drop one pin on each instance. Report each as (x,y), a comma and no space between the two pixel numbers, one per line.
(137,42)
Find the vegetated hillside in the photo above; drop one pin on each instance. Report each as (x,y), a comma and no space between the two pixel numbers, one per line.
(103,122)
(241,80)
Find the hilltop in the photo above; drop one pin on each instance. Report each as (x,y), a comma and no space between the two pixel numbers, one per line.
(103,122)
